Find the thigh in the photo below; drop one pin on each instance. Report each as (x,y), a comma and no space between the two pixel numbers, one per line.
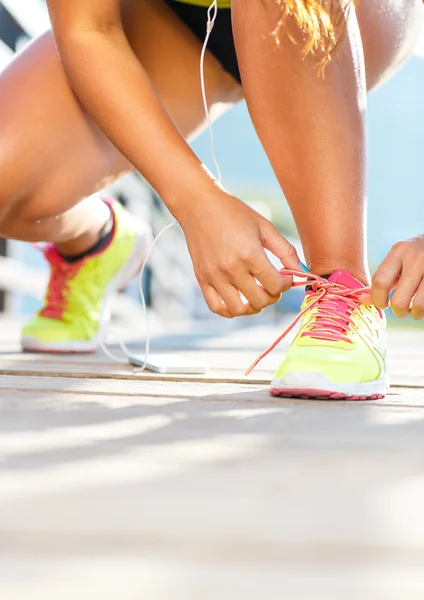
(51,150)
(390,30)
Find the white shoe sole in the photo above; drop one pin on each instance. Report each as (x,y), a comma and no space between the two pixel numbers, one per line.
(314,385)
(120,281)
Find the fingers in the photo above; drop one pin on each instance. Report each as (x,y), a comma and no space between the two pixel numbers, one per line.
(226,301)
(249,275)
(257,297)
(215,302)
(233,300)
(385,280)
(366,299)
(417,310)
(406,289)
(253,278)
(273,241)
(269,277)
(243,293)
(402,271)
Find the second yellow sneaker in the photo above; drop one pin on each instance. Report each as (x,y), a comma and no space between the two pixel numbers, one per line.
(76,306)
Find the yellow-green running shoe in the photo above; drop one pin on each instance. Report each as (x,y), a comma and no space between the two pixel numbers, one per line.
(339,352)
(76,305)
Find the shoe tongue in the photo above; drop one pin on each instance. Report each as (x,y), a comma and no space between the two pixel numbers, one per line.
(337,304)
(56,260)
(53,257)
(346,279)
(51,254)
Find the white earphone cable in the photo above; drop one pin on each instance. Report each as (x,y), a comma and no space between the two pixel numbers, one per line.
(212,15)
(122,344)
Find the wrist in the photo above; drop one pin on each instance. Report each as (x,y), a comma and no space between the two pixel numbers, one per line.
(184,201)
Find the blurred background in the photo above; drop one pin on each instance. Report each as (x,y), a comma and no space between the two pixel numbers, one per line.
(396,198)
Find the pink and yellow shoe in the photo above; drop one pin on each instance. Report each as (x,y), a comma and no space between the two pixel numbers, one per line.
(76,306)
(339,352)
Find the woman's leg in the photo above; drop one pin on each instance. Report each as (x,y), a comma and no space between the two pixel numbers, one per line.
(389,31)
(52,154)
(312,128)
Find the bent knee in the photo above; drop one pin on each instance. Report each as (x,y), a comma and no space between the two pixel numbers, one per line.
(390,30)
(19,218)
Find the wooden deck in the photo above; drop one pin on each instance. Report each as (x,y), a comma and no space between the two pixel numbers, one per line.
(121,486)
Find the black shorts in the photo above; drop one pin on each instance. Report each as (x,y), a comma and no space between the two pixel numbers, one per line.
(221,42)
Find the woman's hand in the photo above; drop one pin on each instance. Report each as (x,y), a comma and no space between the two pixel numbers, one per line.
(226,240)
(403,271)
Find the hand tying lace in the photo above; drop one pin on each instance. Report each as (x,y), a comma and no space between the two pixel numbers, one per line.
(334,305)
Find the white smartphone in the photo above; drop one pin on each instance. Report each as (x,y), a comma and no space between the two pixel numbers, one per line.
(169,364)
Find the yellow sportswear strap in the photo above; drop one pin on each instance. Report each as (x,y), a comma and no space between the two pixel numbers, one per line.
(207,3)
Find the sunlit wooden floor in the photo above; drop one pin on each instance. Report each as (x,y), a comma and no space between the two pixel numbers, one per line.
(121,486)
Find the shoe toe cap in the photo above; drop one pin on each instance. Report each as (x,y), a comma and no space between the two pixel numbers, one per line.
(338,369)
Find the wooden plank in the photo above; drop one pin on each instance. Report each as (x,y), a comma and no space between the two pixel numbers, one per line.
(131,473)
(140,575)
(144,473)
(128,475)
(228,354)
(219,391)
(402,375)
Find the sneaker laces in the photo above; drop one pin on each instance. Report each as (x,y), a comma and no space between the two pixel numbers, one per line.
(61,272)
(335,304)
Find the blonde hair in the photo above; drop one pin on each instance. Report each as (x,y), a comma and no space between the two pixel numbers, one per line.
(322,24)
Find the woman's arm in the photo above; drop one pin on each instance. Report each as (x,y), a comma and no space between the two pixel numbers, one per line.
(116,90)
(226,239)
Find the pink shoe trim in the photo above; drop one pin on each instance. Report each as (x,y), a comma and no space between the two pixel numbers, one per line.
(62,272)
(311,394)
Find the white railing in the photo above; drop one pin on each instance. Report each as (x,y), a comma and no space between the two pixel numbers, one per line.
(5,55)
(31,14)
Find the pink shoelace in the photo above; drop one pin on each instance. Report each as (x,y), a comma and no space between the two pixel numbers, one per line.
(334,302)
(61,274)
